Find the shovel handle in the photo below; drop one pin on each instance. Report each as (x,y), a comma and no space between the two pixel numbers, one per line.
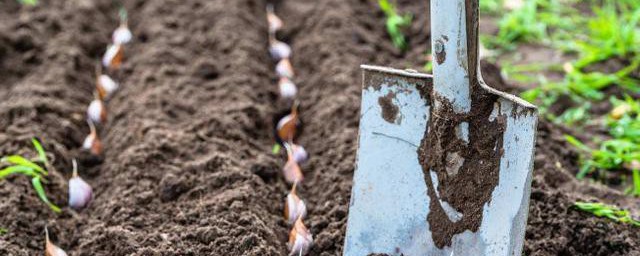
(454,42)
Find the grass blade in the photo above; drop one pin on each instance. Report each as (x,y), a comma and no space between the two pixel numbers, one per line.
(19,160)
(16,169)
(37,185)
(41,154)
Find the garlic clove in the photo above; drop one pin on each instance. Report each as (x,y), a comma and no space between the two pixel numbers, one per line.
(294,207)
(275,23)
(292,172)
(96,112)
(300,239)
(122,35)
(279,50)
(113,56)
(92,141)
(300,155)
(284,68)
(106,85)
(80,192)
(287,126)
(287,88)
(50,248)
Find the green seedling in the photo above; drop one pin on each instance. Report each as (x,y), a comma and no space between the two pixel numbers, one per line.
(491,6)
(607,211)
(635,188)
(520,25)
(3,231)
(612,33)
(28,2)
(36,170)
(395,23)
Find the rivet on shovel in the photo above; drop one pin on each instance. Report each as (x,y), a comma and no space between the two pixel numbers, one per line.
(444,162)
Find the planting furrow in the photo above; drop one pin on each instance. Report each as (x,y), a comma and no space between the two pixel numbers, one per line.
(186,169)
(329,48)
(48,65)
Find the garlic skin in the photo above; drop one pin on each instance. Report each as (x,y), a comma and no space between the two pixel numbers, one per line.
(288,89)
(113,56)
(279,50)
(80,192)
(96,112)
(106,86)
(284,69)
(300,155)
(50,248)
(300,239)
(122,35)
(294,207)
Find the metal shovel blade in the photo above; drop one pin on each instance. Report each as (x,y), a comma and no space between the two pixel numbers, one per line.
(444,162)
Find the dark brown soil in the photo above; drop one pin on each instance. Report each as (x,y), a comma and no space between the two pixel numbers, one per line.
(187,167)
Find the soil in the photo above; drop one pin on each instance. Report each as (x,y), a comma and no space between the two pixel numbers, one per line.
(187,168)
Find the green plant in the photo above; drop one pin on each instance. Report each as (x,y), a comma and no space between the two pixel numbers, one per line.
(395,23)
(28,2)
(37,173)
(490,6)
(3,231)
(520,25)
(607,211)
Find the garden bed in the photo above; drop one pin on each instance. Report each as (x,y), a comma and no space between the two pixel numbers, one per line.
(188,168)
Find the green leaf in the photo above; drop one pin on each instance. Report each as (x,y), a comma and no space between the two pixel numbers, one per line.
(607,211)
(37,185)
(276,149)
(28,2)
(18,169)
(636,182)
(19,160)
(3,231)
(41,154)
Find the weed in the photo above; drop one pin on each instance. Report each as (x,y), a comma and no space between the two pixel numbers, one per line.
(3,231)
(607,211)
(31,169)
(28,2)
(491,6)
(395,23)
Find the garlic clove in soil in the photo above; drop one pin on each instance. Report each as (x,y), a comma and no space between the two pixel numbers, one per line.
(287,126)
(294,208)
(284,68)
(279,50)
(112,58)
(291,170)
(287,88)
(106,86)
(50,248)
(122,35)
(80,192)
(96,112)
(92,141)
(300,239)
(275,23)
(300,155)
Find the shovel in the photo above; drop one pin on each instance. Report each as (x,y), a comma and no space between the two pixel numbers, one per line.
(444,162)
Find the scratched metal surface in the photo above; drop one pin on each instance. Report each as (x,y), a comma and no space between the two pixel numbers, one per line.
(389,203)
